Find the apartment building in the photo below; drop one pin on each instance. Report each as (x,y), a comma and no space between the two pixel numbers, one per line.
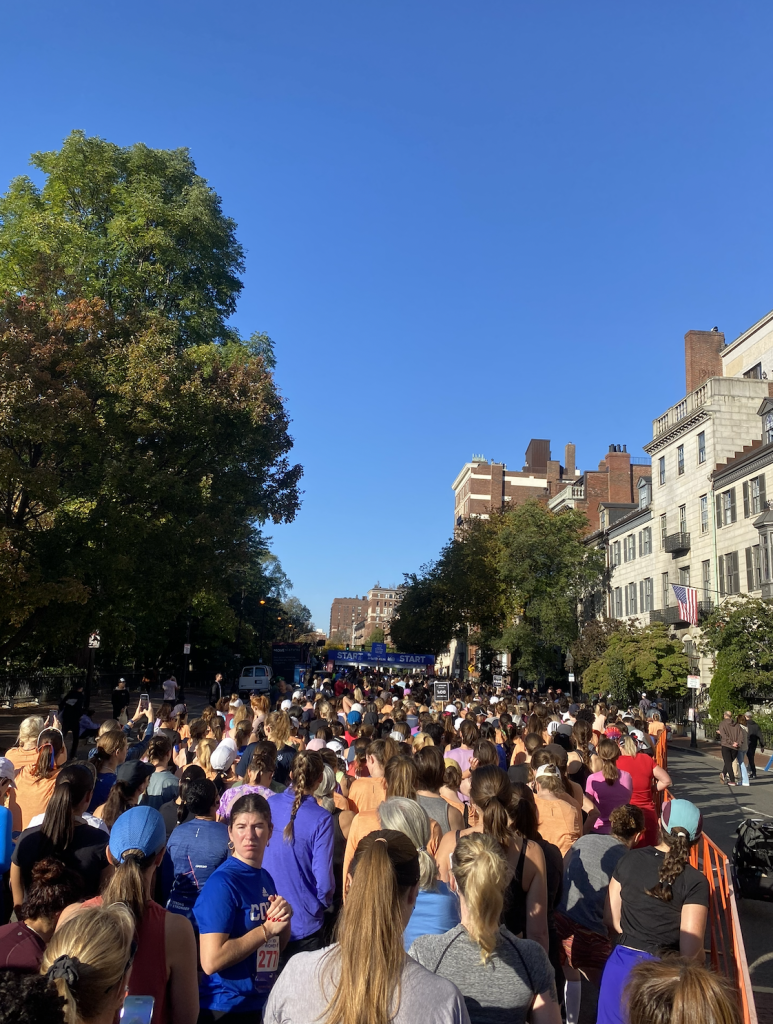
(382,604)
(348,616)
(613,486)
(482,487)
(703,519)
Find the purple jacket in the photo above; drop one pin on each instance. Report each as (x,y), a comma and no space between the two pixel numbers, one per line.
(303,869)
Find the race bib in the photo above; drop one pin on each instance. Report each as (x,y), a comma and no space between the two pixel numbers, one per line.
(268,956)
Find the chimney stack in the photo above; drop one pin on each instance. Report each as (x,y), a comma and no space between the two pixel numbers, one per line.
(702,358)
(569,457)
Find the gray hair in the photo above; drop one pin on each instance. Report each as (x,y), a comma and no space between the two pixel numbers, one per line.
(325,788)
(406,816)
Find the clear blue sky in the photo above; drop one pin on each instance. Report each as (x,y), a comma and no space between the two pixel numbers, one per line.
(466,224)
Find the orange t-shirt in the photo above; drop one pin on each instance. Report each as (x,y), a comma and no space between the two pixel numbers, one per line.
(341,802)
(655,728)
(368,821)
(560,822)
(366,794)
(20,758)
(33,793)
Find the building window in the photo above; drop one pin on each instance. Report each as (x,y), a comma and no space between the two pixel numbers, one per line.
(603,519)
(753,496)
(728,573)
(680,459)
(754,372)
(665,589)
(646,594)
(645,494)
(684,575)
(615,551)
(630,599)
(706,580)
(629,548)
(753,578)
(769,428)
(726,508)
(683,519)
(617,602)
(663,532)
(662,469)
(702,446)
(645,541)
(704,513)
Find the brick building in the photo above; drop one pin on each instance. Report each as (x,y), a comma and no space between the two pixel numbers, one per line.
(608,492)
(382,603)
(348,616)
(482,487)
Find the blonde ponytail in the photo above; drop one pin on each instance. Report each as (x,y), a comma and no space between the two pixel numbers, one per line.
(87,957)
(481,872)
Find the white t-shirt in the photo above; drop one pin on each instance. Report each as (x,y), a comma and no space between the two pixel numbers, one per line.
(170,688)
(89,819)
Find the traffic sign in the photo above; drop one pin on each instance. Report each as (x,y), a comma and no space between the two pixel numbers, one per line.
(694,682)
(378,650)
(497,680)
(93,640)
(186,648)
(443,692)
(571,677)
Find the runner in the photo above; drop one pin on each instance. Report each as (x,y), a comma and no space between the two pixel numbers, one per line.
(495,811)
(658,903)
(300,859)
(367,794)
(366,975)
(643,771)
(498,974)
(63,834)
(88,962)
(111,751)
(131,781)
(242,922)
(52,888)
(559,817)
(609,787)
(431,768)
(25,750)
(165,960)
(36,780)
(196,848)
(580,914)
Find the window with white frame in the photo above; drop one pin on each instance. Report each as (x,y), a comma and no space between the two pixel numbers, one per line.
(645,541)
(683,519)
(726,513)
(629,548)
(680,460)
(663,531)
(706,580)
(704,513)
(702,447)
(647,595)
(662,469)
(665,590)
(630,599)
(617,602)
(754,497)
(615,557)
(769,428)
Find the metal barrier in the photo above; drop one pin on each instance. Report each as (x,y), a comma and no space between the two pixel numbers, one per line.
(727,951)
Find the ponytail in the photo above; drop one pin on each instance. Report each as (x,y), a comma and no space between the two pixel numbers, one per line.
(307,770)
(119,799)
(72,786)
(127,884)
(108,745)
(50,744)
(609,752)
(492,794)
(481,871)
(673,865)
(365,966)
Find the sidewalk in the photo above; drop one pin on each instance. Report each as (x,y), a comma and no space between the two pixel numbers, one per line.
(713,748)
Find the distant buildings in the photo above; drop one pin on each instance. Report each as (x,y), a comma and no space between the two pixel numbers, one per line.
(355,619)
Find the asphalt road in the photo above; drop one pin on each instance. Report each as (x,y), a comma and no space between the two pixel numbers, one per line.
(696,778)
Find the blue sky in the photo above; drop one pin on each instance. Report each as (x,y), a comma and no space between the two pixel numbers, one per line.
(466,225)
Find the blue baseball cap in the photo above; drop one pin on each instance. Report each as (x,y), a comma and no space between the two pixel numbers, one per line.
(680,816)
(139,828)
(354,718)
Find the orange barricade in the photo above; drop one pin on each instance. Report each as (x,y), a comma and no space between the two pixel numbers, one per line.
(727,952)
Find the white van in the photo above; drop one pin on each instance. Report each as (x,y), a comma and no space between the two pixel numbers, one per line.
(255,679)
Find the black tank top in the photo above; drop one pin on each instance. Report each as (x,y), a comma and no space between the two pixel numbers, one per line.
(514,912)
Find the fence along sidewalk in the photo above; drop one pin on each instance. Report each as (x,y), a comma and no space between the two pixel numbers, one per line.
(727,951)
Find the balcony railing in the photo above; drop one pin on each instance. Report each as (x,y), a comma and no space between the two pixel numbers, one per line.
(677,542)
(670,616)
(705,608)
(715,388)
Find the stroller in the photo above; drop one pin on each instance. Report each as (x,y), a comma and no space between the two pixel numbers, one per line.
(753,859)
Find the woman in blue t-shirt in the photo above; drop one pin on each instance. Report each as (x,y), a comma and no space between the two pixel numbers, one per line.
(242,922)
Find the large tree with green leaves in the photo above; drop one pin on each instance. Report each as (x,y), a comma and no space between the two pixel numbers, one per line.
(142,441)
(511,582)
(638,659)
(739,635)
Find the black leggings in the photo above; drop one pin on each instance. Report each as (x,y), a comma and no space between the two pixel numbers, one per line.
(729,755)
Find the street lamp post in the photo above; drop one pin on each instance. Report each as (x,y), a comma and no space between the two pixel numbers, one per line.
(262,624)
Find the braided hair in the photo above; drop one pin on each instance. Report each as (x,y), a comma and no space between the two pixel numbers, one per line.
(307,771)
(674,863)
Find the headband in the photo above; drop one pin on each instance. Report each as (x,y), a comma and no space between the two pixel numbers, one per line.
(546,769)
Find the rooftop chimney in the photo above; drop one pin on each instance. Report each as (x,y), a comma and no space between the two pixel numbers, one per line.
(702,358)
(569,460)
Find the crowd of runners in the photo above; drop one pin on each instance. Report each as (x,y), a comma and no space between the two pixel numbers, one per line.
(353,853)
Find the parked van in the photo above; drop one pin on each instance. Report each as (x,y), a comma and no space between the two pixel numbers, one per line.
(255,679)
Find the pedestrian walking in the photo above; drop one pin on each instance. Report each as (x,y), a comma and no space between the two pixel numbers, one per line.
(743,746)
(71,708)
(119,698)
(730,738)
(216,691)
(755,739)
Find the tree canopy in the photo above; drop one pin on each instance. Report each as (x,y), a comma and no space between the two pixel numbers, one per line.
(739,634)
(142,442)
(511,582)
(638,659)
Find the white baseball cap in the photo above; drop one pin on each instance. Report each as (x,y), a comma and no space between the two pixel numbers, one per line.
(223,756)
(494,700)
(7,770)
(451,709)
(357,707)
(458,723)
(286,705)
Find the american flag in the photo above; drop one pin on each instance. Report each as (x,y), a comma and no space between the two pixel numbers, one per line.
(687,599)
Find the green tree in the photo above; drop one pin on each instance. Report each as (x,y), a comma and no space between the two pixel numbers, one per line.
(593,641)
(141,441)
(739,634)
(638,659)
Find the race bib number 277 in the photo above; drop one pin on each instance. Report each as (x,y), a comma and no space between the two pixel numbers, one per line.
(268,956)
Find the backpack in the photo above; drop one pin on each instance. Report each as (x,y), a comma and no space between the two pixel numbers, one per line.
(753,859)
